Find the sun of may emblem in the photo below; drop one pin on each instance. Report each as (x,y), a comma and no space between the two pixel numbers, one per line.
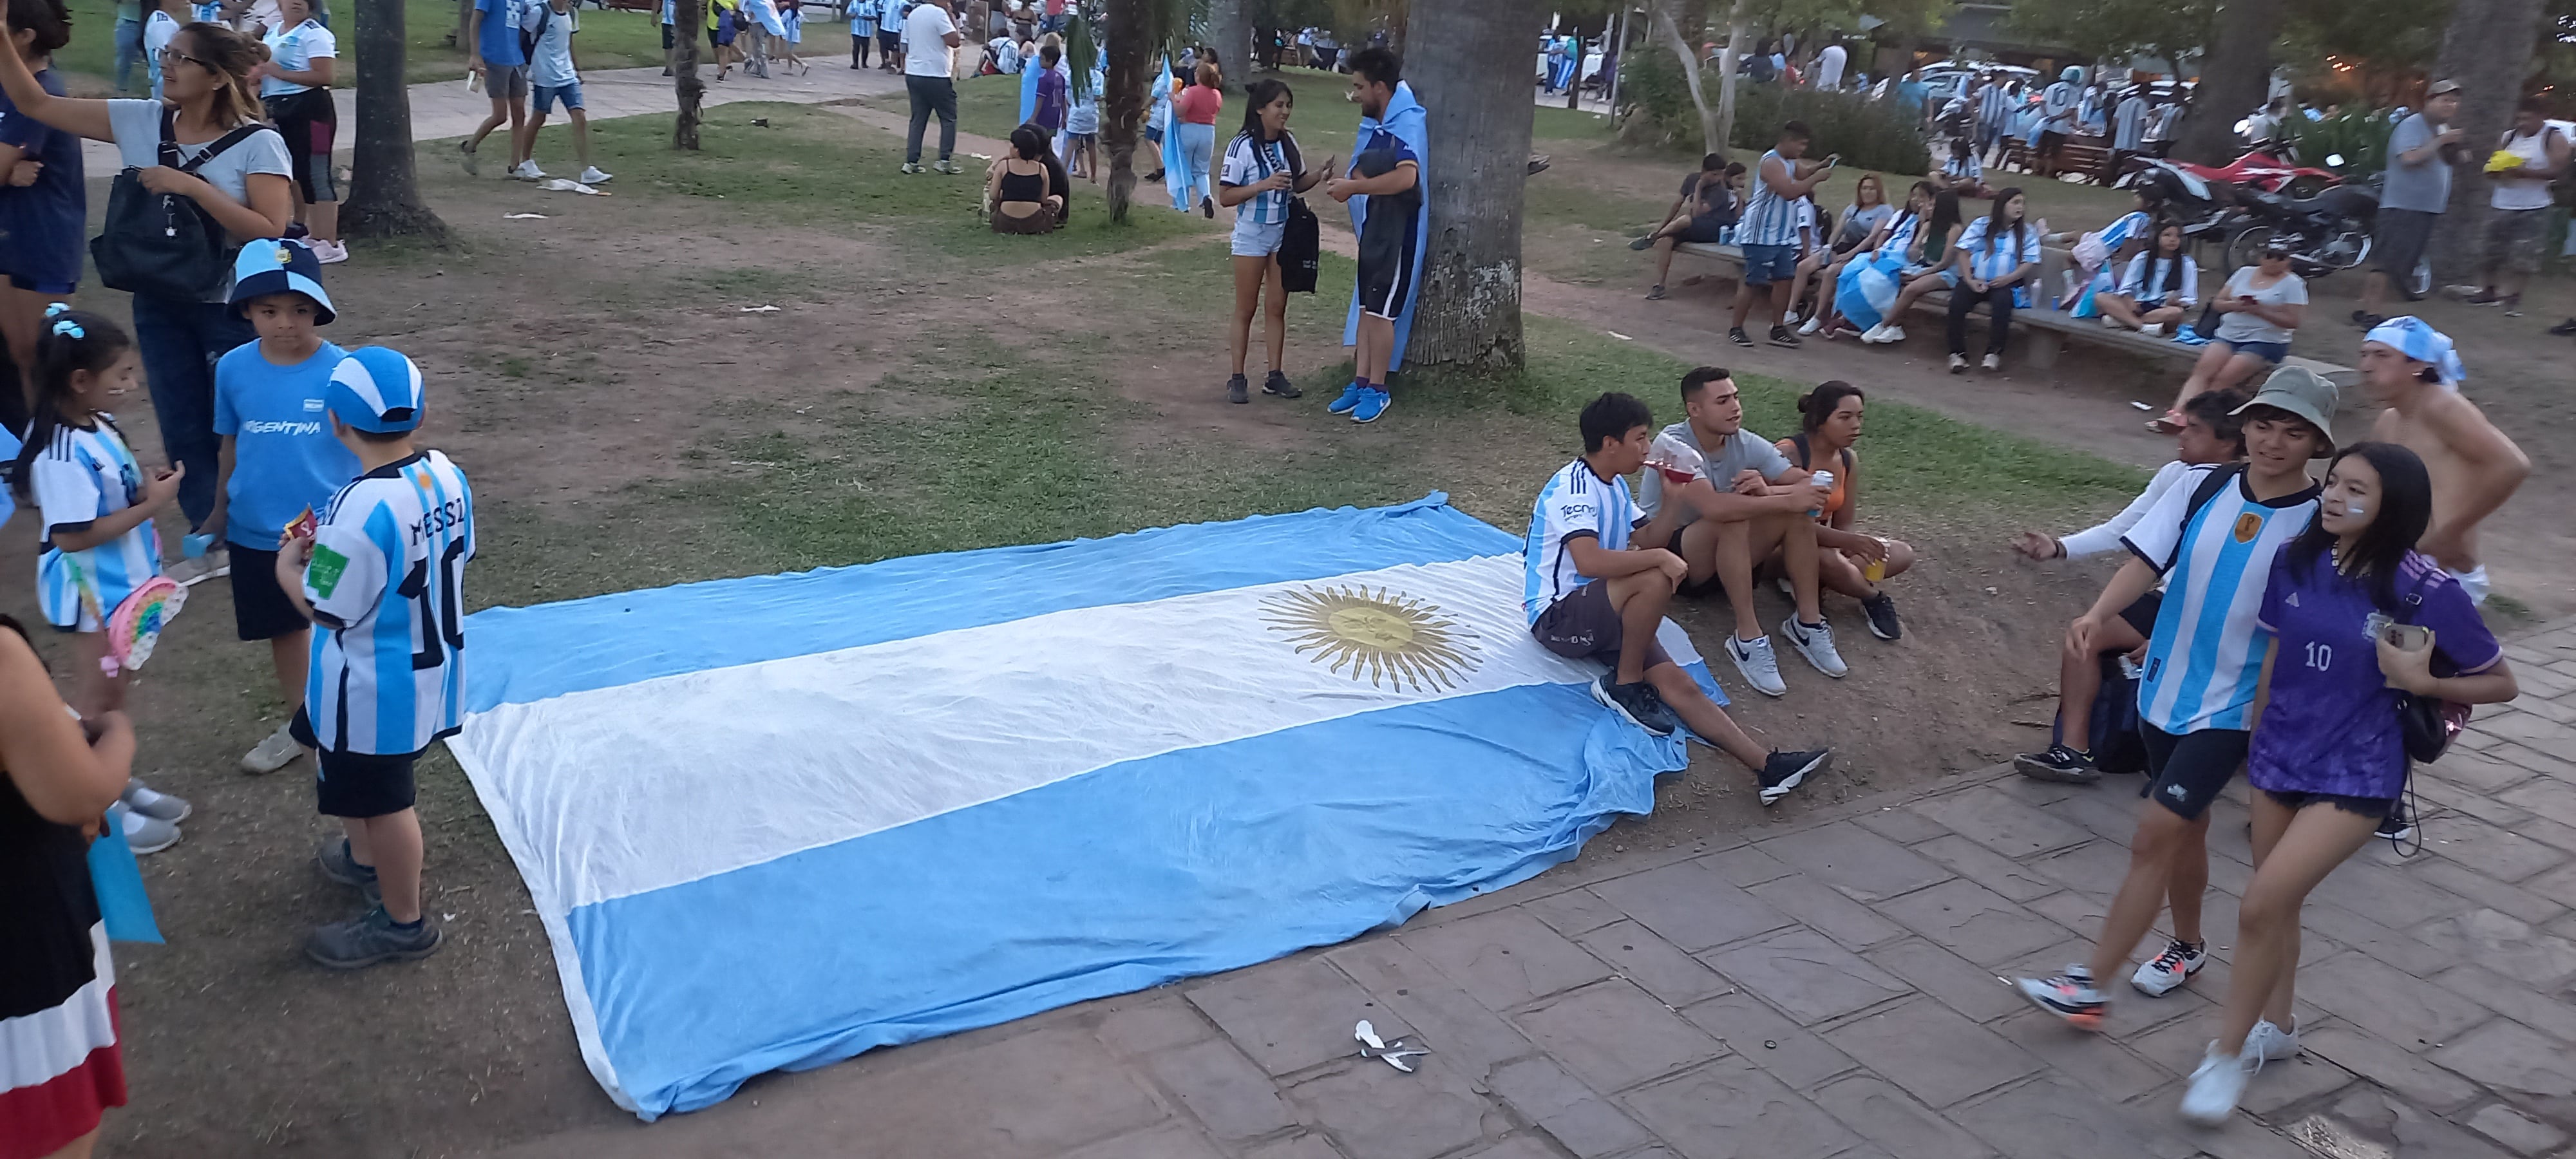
(1392,639)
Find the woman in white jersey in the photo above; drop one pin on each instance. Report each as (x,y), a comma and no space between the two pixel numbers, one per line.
(2212,537)
(1262,171)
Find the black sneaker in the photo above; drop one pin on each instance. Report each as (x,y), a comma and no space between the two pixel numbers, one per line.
(370,938)
(2061,764)
(336,863)
(1781,771)
(1881,609)
(2564,329)
(1780,336)
(1644,243)
(1636,702)
(1737,336)
(2398,825)
(1278,384)
(2365,319)
(1238,390)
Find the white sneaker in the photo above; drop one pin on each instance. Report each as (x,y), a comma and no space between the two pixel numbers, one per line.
(1760,667)
(149,834)
(2218,1085)
(527,171)
(141,798)
(1958,364)
(330,253)
(2111,323)
(2273,1043)
(274,751)
(1895,333)
(1993,362)
(1875,335)
(2159,975)
(2153,329)
(1812,325)
(590,175)
(1816,644)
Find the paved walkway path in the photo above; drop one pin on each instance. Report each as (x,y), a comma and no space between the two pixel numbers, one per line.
(1827,992)
(445,109)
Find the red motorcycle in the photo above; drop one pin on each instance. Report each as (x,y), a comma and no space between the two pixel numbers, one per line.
(2257,169)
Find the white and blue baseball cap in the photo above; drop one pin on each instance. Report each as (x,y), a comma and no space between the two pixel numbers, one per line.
(274,266)
(376,389)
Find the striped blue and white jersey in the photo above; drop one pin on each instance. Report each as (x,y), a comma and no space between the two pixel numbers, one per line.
(1248,161)
(1769,219)
(387,585)
(85,475)
(1575,502)
(2206,655)
(1991,257)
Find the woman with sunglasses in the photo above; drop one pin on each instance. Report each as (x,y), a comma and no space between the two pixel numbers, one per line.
(245,187)
(2257,311)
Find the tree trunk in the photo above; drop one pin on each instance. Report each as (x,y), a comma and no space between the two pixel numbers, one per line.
(1727,73)
(1124,103)
(1231,37)
(2487,48)
(1712,136)
(687,34)
(384,187)
(1468,319)
(2233,83)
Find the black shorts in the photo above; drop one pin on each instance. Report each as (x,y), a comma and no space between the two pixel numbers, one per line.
(355,784)
(2141,613)
(1385,285)
(2375,808)
(2185,773)
(890,41)
(2397,241)
(1707,230)
(261,610)
(1583,626)
(2050,141)
(309,121)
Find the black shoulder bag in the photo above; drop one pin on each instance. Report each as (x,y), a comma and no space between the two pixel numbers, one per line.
(162,245)
(1301,244)
(2428,724)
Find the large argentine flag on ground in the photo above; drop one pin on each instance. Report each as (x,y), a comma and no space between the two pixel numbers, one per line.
(773,822)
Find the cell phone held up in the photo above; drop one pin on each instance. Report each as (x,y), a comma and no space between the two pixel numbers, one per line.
(2407,637)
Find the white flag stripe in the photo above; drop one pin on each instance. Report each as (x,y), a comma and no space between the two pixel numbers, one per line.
(653,784)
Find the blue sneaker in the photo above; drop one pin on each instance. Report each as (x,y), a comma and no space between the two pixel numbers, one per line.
(1373,402)
(1350,398)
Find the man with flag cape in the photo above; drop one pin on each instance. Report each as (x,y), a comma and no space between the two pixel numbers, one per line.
(1392,136)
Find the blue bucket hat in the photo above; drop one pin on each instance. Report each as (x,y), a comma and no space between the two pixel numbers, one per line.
(273,266)
(376,389)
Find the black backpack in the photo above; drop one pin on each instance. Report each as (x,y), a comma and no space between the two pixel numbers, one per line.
(162,245)
(528,37)
(2118,745)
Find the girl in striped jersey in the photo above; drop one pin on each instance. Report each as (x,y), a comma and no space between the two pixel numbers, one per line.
(95,501)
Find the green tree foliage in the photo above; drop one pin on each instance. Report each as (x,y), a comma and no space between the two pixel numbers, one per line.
(1869,134)
(2114,29)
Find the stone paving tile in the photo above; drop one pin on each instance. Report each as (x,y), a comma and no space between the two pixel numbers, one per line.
(1516,1147)
(1954,981)
(2532,901)
(2506,945)
(2549,797)
(2494,851)
(2320,919)
(2388,1065)
(1884,1115)
(1372,1112)
(1169,1141)
(1507,958)
(2108,810)
(1999,823)
(1691,906)
(1986,867)
(1745,866)
(1807,976)
(1301,1147)
(1730,1109)
(2552,1014)
(1471,1037)
(1221,1088)
(1862,864)
(2548,832)
(1574,1115)
(2557,767)
(2514,1129)
(1292,1013)
(1161,1024)
(2395,1005)
(1828,911)
(1613,1036)
(2095,868)
(1673,977)
(1901,824)
(2483,772)
(1768,1039)
(1932,1052)
(2407,1130)
(2056,1118)
(1573,911)
(1038,1094)
(2518,1062)
(1973,922)
(2106,1067)
(2075,911)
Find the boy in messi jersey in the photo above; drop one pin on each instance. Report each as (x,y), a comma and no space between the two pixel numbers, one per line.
(2212,537)
(383,575)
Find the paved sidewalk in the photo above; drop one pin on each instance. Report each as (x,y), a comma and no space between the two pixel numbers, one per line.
(1830,991)
(445,109)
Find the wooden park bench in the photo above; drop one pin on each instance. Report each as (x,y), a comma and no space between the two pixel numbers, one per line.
(2049,330)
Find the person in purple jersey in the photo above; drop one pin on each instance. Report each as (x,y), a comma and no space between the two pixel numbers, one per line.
(2359,621)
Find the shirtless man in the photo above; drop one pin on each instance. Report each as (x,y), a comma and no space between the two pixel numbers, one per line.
(2413,369)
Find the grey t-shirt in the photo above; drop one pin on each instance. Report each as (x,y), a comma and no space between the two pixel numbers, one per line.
(137,125)
(2239,326)
(2425,188)
(1742,451)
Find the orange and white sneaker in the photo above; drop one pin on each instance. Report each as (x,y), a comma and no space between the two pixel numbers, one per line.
(2162,973)
(2070,996)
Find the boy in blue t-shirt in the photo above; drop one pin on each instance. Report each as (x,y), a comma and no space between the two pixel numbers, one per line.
(278,460)
(383,573)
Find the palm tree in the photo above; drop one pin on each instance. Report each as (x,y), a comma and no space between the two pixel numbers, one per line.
(1139,32)
(384,193)
(691,18)
(1470,68)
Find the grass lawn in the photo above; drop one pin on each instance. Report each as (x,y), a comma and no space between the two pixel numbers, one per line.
(607,40)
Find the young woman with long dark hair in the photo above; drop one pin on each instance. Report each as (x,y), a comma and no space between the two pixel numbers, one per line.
(1025,190)
(2160,286)
(1829,422)
(1261,172)
(1997,258)
(1926,267)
